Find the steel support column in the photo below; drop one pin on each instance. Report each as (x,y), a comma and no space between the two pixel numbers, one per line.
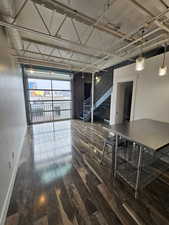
(92,103)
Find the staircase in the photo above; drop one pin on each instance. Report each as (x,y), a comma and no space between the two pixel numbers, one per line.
(102,93)
(86,115)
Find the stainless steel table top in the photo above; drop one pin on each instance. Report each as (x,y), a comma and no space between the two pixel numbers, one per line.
(149,133)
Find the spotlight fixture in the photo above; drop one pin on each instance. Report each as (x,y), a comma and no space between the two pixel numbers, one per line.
(163,68)
(140,61)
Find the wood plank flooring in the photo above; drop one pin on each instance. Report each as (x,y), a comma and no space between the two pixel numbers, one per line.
(60,182)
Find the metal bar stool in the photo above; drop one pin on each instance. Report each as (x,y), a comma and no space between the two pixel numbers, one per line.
(109,141)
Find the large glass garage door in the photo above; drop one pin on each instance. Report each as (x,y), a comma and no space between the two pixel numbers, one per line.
(49,100)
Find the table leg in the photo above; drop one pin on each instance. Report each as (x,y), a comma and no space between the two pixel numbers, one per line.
(115,155)
(138,171)
(104,146)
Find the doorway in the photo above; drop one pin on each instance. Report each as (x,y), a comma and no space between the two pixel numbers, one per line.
(124,101)
(87,90)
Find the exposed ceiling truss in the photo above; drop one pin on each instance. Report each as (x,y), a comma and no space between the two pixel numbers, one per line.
(60,48)
(80,17)
(35,61)
(158,20)
(77,53)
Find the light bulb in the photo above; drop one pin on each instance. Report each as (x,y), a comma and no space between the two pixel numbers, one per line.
(31,71)
(140,63)
(162,71)
(98,79)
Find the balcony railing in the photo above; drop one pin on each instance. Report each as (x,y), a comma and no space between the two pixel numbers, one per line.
(42,111)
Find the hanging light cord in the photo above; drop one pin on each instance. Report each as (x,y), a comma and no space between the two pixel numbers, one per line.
(142,42)
(164,56)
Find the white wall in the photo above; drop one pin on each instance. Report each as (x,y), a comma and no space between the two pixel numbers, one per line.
(12,122)
(150,92)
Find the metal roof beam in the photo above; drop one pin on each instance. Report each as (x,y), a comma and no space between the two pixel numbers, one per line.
(41,17)
(60,47)
(34,61)
(80,17)
(147,12)
(19,11)
(149,21)
(45,35)
(56,57)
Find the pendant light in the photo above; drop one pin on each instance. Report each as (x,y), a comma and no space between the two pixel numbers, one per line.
(163,68)
(140,61)
(31,69)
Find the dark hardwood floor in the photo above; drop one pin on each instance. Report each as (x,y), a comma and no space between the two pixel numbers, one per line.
(61,182)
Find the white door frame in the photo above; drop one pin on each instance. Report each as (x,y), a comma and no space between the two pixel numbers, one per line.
(114,97)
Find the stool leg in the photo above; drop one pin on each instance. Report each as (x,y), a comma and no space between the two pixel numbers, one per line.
(104,146)
(138,171)
(115,156)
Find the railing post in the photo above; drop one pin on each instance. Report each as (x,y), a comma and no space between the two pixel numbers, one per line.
(92,105)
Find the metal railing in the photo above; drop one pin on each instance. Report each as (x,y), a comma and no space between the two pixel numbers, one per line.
(43,111)
(87,104)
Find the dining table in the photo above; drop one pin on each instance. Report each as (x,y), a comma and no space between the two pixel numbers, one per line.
(141,151)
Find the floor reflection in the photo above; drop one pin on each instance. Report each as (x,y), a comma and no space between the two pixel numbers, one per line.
(49,190)
(52,150)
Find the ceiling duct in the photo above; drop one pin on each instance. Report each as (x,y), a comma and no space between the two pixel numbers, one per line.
(7,14)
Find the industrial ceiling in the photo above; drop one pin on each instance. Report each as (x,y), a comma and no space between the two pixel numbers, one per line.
(83,35)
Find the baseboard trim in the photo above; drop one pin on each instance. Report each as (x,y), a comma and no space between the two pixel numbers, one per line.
(11,184)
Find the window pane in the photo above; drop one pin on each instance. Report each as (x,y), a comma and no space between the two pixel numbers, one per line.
(61,85)
(39,84)
(62,115)
(57,106)
(38,107)
(61,95)
(40,95)
(41,106)
(41,117)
